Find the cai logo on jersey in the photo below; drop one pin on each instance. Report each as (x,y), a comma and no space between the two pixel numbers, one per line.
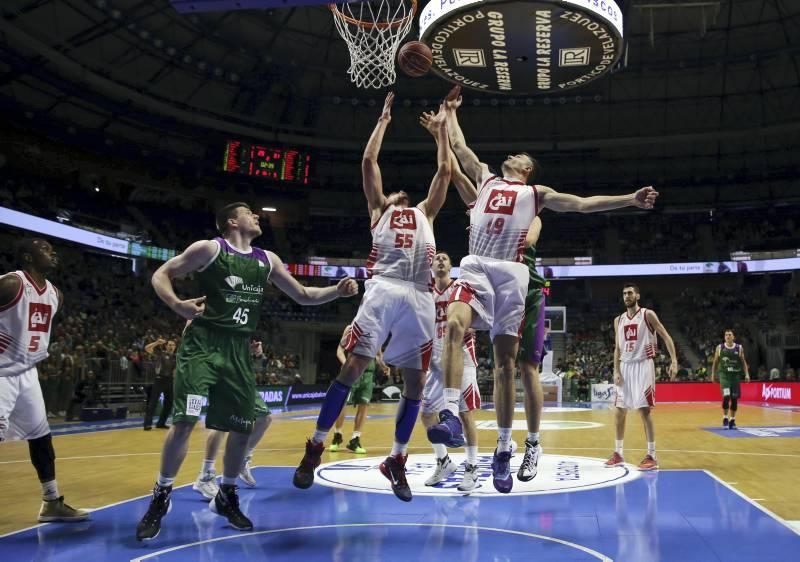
(501,201)
(557,473)
(403,219)
(39,316)
(631,332)
(441,311)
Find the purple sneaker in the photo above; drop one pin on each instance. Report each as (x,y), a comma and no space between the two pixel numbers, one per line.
(448,431)
(501,472)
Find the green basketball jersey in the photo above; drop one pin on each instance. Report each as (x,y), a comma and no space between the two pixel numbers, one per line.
(234,285)
(730,362)
(534,279)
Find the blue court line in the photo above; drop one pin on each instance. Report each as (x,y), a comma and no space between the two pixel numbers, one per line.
(686,515)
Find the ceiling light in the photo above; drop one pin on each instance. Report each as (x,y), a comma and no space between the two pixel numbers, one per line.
(269,209)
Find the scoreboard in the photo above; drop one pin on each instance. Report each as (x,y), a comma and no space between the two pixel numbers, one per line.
(152,252)
(250,159)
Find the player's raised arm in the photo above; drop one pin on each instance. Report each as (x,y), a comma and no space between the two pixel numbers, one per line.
(644,198)
(308,295)
(715,364)
(370,171)
(194,258)
(653,321)
(437,192)
(466,189)
(474,168)
(534,231)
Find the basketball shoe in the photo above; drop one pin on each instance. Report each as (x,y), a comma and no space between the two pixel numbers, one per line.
(304,475)
(226,504)
(501,472)
(648,463)
(615,460)
(246,474)
(530,462)
(448,431)
(732,424)
(444,468)
(57,510)
(206,484)
(355,446)
(725,422)
(471,478)
(160,504)
(394,469)
(337,440)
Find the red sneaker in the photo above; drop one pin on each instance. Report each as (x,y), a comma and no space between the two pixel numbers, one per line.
(648,463)
(615,460)
(394,469)
(304,475)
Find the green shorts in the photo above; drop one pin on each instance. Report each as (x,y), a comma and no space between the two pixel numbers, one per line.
(531,340)
(261,408)
(729,386)
(215,365)
(361,391)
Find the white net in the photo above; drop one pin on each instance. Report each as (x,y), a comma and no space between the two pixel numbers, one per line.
(373,31)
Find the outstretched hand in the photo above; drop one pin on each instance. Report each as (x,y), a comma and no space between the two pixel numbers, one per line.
(347,287)
(386,114)
(426,120)
(645,198)
(453,99)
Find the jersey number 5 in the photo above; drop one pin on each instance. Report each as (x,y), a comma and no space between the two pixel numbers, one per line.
(34,345)
(240,316)
(403,240)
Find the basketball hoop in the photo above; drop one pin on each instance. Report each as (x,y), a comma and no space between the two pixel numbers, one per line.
(373,31)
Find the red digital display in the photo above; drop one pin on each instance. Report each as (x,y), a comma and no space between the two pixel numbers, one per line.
(242,157)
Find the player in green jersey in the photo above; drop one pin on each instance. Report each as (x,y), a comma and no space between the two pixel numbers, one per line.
(213,360)
(730,362)
(360,397)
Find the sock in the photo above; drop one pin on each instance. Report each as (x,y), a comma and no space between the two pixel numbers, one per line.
(406,419)
(733,417)
(504,439)
(356,434)
(165,482)
(472,454)
(249,454)
(331,408)
(651,448)
(533,437)
(618,446)
(50,490)
(452,398)
(208,466)
(439,450)
(399,448)
(228,481)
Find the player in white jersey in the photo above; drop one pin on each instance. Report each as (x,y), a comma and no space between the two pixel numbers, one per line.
(398,300)
(433,395)
(490,293)
(28,302)
(636,343)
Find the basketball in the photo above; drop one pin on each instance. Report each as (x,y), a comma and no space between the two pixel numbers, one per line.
(415,59)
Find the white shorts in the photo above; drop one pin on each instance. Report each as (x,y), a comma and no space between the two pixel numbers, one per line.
(22,410)
(495,289)
(399,308)
(638,388)
(433,393)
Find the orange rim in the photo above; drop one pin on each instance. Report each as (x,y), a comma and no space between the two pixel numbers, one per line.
(337,13)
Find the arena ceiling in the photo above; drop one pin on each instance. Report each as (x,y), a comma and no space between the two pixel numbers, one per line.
(709,89)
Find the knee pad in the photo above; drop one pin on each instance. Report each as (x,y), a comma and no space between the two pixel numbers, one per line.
(726,402)
(734,404)
(43,457)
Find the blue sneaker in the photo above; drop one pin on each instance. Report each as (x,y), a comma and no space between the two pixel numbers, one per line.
(501,472)
(448,431)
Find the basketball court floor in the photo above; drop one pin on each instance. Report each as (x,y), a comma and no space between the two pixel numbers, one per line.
(719,496)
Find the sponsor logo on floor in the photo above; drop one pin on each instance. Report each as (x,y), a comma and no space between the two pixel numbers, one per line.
(766,431)
(557,473)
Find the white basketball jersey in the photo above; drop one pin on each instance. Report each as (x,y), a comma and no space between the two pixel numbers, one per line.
(403,246)
(25,326)
(440,332)
(636,339)
(500,218)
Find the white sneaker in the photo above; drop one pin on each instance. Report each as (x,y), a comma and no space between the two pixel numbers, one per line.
(206,484)
(246,474)
(530,462)
(470,481)
(444,468)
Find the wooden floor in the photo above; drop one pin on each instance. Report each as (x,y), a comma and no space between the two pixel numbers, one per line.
(97,469)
